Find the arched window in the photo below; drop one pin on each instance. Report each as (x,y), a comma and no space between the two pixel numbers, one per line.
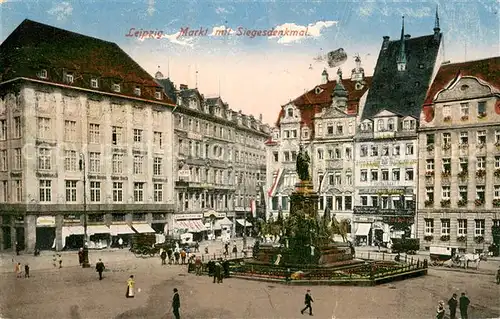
(390,125)
(290,112)
(380,125)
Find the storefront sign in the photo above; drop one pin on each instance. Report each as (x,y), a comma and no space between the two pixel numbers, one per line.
(213,212)
(184,173)
(188,216)
(363,219)
(47,221)
(72,218)
(370,210)
(396,190)
(398,220)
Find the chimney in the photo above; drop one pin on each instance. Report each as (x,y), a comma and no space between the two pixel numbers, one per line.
(183,87)
(385,43)
(407,36)
(260,117)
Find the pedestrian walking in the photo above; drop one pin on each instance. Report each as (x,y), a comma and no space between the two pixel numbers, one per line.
(80,256)
(60,260)
(498,276)
(163,257)
(463,305)
(452,305)
(226,249)
(54,261)
(198,266)
(235,250)
(440,310)
(177,256)
(18,270)
(183,256)
(197,247)
(99,267)
(120,243)
(206,250)
(170,253)
(26,271)
(218,273)
(130,287)
(18,248)
(307,301)
(176,304)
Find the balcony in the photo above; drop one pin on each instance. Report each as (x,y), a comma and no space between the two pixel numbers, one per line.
(463,176)
(462,203)
(429,203)
(445,203)
(480,176)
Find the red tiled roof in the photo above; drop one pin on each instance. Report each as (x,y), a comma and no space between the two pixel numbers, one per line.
(311,103)
(487,70)
(33,46)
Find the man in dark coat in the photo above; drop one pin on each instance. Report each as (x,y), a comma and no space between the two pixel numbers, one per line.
(176,304)
(225,267)
(307,301)
(218,273)
(452,304)
(99,267)
(464,305)
(163,257)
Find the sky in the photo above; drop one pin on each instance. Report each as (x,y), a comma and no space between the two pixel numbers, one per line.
(259,74)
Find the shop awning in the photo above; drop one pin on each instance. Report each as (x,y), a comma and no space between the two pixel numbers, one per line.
(242,223)
(143,228)
(192,226)
(223,222)
(116,230)
(97,229)
(72,230)
(363,229)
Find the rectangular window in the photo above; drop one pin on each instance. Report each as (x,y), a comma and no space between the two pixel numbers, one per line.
(117,192)
(340,129)
(429,226)
(117,135)
(385,174)
(17,127)
(396,175)
(464,109)
(462,227)
(496,191)
(320,154)
(118,217)
(158,139)
(18,191)
(4,193)
(157,166)
(363,151)
(44,159)
(138,192)
(429,194)
(430,139)
(329,129)
(446,111)
(497,162)
(364,175)
(463,193)
(481,108)
(348,202)
(94,83)
(45,188)
(447,165)
(95,191)
(348,179)
(44,128)
(464,138)
(69,131)
(464,164)
(497,137)
(375,201)
(364,200)
(138,135)
(95,162)
(117,163)
(481,162)
(409,174)
(374,175)
(479,227)
(3,161)
(138,164)
(70,161)
(275,156)
(429,165)
(445,192)
(348,153)
(396,150)
(374,150)
(480,193)
(338,179)
(409,149)
(3,130)
(158,192)
(445,227)
(70,191)
(446,139)
(116,87)
(481,137)
(94,133)
(17,159)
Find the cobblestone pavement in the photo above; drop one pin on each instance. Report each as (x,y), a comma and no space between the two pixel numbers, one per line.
(75,293)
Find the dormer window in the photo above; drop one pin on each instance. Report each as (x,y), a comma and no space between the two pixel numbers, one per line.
(115,87)
(318,90)
(289,112)
(42,74)
(69,78)
(137,91)
(158,95)
(358,86)
(94,83)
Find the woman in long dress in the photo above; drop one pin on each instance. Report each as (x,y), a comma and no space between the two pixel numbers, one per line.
(130,287)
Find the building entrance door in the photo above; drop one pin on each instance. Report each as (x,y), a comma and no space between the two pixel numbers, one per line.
(379,235)
(45,237)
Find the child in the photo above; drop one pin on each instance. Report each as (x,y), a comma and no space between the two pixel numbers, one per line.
(60,261)
(26,271)
(18,270)
(54,259)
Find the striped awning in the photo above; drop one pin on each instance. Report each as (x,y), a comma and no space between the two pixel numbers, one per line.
(191,225)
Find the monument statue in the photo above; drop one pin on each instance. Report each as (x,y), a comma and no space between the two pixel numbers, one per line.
(302,165)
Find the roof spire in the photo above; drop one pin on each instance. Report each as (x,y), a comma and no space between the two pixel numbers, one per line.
(436,22)
(402,54)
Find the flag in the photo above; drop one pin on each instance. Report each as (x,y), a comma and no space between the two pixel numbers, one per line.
(253,208)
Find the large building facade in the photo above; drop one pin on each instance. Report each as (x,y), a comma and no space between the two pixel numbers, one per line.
(323,121)
(219,164)
(459,144)
(84,134)
(386,154)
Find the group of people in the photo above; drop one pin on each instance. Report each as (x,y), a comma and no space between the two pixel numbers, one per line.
(462,303)
(176,256)
(19,272)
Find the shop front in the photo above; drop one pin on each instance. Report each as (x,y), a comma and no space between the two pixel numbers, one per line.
(98,236)
(190,223)
(45,232)
(218,225)
(122,231)
(72,233)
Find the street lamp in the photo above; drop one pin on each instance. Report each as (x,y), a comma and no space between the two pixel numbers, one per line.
(86,263)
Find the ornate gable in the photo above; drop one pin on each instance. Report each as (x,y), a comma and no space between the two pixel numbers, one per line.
(463,88)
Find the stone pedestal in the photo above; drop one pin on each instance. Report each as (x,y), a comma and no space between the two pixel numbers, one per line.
(304,199)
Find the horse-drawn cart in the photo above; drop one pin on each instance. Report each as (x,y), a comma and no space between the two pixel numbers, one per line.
(144,245)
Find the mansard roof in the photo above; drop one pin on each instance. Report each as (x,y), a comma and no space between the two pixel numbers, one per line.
(487,70)
(34,46)
(403,92)
(311,103)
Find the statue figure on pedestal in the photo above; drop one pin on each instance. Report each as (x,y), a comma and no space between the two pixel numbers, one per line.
(302,164)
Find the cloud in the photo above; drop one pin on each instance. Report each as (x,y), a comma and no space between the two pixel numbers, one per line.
(221,10)
(61,11)
(217,31)
(151,7)
(174,38)
(313,30)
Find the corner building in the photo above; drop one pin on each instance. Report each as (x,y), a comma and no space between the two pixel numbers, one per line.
(77,108)
(386,156)
(219,170)
(459,145)
(323,121)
